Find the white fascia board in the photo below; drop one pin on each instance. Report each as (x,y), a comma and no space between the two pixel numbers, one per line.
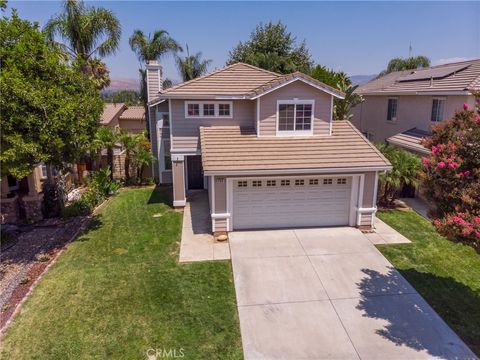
(298,171)
(155,102)
(420,93)
(298,78)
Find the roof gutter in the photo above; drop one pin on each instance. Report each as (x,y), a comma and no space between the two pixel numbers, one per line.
(298,171)
(425,93)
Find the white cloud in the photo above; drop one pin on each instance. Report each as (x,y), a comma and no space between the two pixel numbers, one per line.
(450,60)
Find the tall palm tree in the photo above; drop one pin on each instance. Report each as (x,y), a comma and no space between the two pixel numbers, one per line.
(410,63)
(150,48)
(192,66)
(87,32)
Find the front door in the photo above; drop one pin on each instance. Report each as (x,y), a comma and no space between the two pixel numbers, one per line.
(194,172)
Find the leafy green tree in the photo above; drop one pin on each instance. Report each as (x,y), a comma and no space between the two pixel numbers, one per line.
(88,33)
(129,97)
(342,82)
(273,48)
(410,63)
(49,112)
(142,155)
(106,138)
(192,66)
(406,169)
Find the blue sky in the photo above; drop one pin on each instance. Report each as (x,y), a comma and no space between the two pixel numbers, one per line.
(356,37)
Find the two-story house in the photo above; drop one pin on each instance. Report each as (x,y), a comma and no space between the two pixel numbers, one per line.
(401,107)
(265,147)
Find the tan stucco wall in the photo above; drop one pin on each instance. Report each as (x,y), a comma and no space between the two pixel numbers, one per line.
(412,111)
(132,126)
(369,186)
(185,132)
(302,91)
(178,172)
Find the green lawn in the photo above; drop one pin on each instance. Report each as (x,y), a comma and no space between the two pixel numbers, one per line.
(118,291)
(446,274)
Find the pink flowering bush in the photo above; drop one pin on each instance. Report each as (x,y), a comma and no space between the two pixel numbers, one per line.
(451,177)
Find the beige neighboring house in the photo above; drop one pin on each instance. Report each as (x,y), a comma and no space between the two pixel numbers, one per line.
(265,148)
(401,107)
(129,118)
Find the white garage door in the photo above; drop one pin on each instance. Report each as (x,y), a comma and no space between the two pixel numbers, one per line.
(293,202)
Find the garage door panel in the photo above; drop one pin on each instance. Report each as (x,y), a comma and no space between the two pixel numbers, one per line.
(314,203)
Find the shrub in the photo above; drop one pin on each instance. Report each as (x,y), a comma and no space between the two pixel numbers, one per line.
(52,199)
(77,208)
(43,257)
(149,181)
(101,182)
(406,168)
(452,177)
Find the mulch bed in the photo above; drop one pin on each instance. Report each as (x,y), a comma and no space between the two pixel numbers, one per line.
(47,237)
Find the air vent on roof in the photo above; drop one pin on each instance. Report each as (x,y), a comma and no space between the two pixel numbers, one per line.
(433,73)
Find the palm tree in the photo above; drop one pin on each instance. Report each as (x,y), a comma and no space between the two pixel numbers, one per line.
(150,48)
(410,63)
(406,168)
(143,158)
(106,138)
(129,143)
(192,66)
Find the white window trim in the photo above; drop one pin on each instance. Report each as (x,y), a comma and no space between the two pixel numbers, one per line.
(431,108)
(295,132)
(162,156)
(393,119)
(200,105)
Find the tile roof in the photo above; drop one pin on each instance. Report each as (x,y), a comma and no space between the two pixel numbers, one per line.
(133,113)
(461,76)
(410,140)
(110,111)
(230,149)
(239,80)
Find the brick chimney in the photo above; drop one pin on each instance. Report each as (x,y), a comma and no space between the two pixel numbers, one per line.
(154,79)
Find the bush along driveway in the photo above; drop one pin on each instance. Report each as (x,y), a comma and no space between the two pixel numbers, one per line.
(118,292)
(446,274)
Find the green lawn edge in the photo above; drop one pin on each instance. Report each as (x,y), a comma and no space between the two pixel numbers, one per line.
(445,273)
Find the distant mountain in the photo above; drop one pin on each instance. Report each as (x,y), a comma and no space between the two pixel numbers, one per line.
(361,79)
(123,84)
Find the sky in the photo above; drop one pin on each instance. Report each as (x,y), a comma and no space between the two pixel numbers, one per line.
(356,37)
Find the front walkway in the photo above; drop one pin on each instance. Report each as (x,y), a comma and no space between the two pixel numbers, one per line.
(384,234)
(417,204)
(328,293)
(197,242)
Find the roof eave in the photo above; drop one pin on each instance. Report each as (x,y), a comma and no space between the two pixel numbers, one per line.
(329,170)
(415,92)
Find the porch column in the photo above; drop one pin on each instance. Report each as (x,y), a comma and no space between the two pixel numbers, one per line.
(178,174)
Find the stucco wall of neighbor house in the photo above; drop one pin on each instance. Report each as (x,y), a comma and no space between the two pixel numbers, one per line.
(185,131)
(178,173)
(132,126)
(412,111)
(302,91)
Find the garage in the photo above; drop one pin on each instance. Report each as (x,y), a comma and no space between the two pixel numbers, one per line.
(291,202)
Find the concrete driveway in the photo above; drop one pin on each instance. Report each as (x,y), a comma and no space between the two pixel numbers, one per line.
(329,294)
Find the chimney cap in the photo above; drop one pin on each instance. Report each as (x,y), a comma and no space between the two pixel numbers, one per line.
(152,62)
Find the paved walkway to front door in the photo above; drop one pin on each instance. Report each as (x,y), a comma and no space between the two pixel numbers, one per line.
(330,294)
(197,243)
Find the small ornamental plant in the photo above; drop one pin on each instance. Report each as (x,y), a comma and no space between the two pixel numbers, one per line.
(451,177)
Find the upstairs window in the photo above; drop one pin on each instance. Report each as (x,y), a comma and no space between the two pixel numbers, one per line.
(223,109)
(210,109)
(295,117)
(392,109)
(193,109)
(438,107)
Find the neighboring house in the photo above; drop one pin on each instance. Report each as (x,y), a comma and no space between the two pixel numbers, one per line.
(129,118)
(265,147)
(401,107)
